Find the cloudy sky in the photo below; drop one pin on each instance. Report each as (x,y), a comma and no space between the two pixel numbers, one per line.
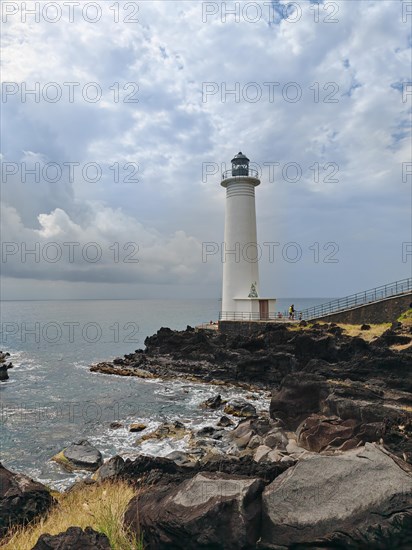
(118,118)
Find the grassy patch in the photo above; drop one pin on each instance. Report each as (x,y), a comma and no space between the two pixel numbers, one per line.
(350,330)
(406,317)
(100,506)
(374,332)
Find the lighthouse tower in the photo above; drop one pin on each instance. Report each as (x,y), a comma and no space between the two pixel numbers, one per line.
(241,298)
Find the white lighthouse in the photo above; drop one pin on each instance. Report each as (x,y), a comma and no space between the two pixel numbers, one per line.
(241,298)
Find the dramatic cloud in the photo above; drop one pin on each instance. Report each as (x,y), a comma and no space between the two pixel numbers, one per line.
(318,95)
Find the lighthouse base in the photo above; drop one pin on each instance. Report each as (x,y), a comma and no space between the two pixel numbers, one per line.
(250,309)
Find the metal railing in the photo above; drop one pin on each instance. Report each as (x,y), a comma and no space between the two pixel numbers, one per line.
(251,173)
(398,288)
(249,316)
(356,300)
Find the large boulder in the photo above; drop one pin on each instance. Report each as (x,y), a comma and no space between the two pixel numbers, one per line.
(298,397)
(79,456)
(73,539)
(21,499)
(358,499)
(211,510)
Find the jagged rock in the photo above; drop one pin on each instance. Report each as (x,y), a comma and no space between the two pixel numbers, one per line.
(174,429)
(181,459)
(317,433)
(175,468)
(252,432)
(79,456)
(73,539)
(225,422)
(213,402)
(111,468)
(390,338)
(242,434)
(137,427)
(293,448)
(211,510)
(288,460)
(298,397)
(3,366)
(206,431)
(115,425)
(363,411)
(309,346)
(261,452)
(240,407)
(3,372)
(274,456)
(359,499)
(21,499)
(255,442)
(276,439)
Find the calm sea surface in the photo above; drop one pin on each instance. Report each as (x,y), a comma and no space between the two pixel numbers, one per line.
(52,399)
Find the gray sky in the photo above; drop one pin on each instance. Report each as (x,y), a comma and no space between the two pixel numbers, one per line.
(153,99)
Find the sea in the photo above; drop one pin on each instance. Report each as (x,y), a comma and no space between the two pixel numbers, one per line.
(52,399)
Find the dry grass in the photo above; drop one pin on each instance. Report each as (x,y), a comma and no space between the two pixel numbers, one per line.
(374,332)
(100,506)
(406,318)
(351,330)
(339,382)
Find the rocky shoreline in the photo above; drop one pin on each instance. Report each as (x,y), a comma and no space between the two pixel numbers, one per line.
(329,465)
(349,382)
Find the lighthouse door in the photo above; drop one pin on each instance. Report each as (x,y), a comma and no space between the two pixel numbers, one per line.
(264,309)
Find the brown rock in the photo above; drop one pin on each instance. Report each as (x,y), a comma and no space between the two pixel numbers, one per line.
(137,427)
(298,397)
(318,432)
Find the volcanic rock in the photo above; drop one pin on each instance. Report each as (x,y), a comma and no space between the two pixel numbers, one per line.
(298,397)
(211,510)
(359,499)
(73,539)
(79,456)
(240,407)
(21,499)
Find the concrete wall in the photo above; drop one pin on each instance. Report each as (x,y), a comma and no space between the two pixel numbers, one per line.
(385,311)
